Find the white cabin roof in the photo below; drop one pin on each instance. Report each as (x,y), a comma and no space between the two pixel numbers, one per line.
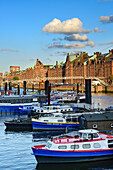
(88,131)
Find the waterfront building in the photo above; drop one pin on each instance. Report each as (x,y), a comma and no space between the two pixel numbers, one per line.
(99,121)
(74,70)
(1,76)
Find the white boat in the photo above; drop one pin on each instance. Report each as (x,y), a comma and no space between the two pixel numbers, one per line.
(53,108)
(88,145)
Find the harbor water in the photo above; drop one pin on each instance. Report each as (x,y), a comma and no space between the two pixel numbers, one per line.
(16,153)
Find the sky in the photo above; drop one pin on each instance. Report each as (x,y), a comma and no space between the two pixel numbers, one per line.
(49,29)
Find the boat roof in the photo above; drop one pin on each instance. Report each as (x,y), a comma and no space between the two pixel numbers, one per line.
(89,131)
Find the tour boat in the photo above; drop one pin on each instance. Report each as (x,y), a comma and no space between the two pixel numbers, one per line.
(29,109)
(54,121)
(12,103)
(87,145)
(53,108)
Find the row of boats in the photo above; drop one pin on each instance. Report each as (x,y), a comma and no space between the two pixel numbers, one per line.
(77,146)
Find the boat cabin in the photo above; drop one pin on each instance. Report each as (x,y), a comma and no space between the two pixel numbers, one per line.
(88,139)
(55,117)
(88,134)
(50,109)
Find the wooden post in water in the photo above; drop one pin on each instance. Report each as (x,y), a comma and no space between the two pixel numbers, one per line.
(46,87)
(88,91)
(105,89)
(24,87)
(33,87)
(77,88)
(5,88)
(18,90)
(10,87)
(95,89)
(49,91)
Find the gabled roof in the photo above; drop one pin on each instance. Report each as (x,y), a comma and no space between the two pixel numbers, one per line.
(73,57)
(99,117)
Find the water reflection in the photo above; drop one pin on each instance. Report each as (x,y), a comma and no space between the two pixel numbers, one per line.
(107,164)
(105,99)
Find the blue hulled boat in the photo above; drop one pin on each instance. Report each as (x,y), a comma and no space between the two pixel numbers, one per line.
(54,121)
(88,145)
(12,103)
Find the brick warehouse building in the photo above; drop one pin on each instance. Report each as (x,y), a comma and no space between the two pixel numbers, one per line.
(98,65)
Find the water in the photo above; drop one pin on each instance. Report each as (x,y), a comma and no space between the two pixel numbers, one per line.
(16,153)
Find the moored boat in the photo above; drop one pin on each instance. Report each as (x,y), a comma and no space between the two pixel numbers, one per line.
(54,121)
(87,145)
(12,103)
(21,124)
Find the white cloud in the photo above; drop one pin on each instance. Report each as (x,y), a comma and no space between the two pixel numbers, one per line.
(106,19)
(56,42)
(107,0)
(97,30)
(90,43)
(75,52)
(67,46)
(106,43)
(61,53)
(9,50)
(76,37)
(71,26)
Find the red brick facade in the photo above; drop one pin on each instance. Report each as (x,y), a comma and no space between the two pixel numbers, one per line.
(98,65)
(1,76)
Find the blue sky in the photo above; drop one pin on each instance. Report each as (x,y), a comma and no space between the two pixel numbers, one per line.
(48,30)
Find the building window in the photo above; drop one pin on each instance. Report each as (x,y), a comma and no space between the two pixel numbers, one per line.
(95,126)
(62,147)
(74,146)
(111,124)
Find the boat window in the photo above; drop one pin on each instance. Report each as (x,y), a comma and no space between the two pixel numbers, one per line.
(86,146)
(85,136)
(96,145)
(59,120)
(74,146)
(45,120)
(41,110)
(48,145)
(95,135)
(80,135)
(62,147)
(90,136)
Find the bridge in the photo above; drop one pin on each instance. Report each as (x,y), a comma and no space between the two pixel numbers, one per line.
(101,80)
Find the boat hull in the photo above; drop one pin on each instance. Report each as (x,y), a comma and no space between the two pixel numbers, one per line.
(53,126)
(18,126)
(45,156)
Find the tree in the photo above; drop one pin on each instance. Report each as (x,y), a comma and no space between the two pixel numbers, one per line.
(111,78)
(15,78)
